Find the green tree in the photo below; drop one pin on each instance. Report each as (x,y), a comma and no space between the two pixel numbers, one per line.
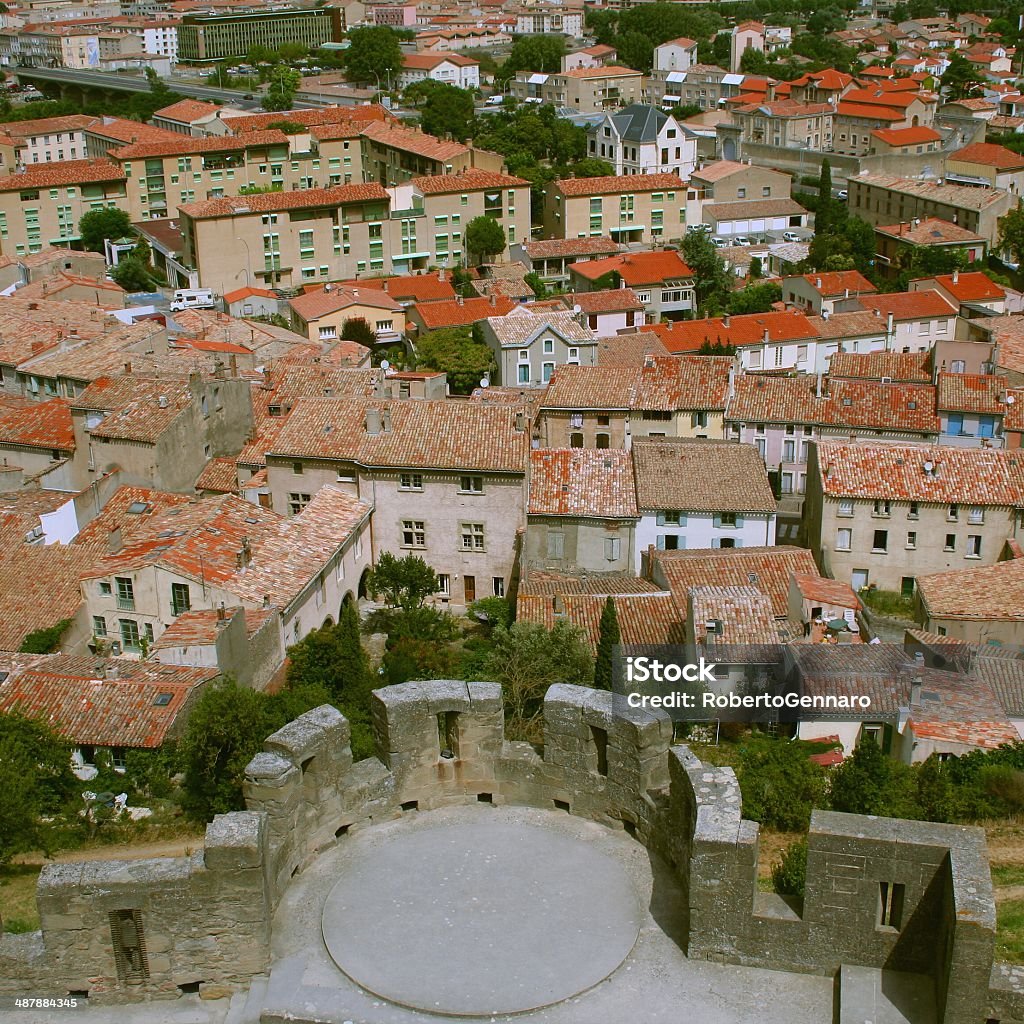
(536,283)
(960,81)
(132,275)
(592,167)
(713,281)
(456,352)
(826,20)
(721,49)
(823,218)
(448,110)
(404,583)
(756,269)
(526,659)
(357,329)
(636,51)
(97,226)
(374,52)
(1011,234)
(858,784)
(533,53)
(608,638)
(789,874)
(35,782)
(485,237)
(45,639)
(780,784)
(284,83)
(755,298)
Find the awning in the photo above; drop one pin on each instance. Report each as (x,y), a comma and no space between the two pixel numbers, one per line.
(537,79)
(628,227)
(676,76)
(670,99)
(733,79)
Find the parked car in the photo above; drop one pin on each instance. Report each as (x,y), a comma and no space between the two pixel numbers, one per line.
(721,243)
(790,236)
(741,240)
(843,194)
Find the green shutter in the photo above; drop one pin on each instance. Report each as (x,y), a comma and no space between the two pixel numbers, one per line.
(661,518)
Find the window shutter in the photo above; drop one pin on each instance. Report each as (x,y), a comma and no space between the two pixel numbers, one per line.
(661,543)
(682,518)
(661,518)
(716,542)
(718,521)
(739,523)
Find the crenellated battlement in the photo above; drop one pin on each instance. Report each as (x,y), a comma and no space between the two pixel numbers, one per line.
(907,896)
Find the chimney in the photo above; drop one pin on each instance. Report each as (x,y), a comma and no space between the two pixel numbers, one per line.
(520,422)
(234,365)
(460,300)
(494,298)
(220,612)
(766,337)
(127,367)
(956,276)
(373,422)
(817,389)
(266,600)
(73,332)
(725,320)
(386,421)
(162,401)
(889,322)
(915,692)
(876,311)
(113,671)
(114,542)
(441,274)
(817,283)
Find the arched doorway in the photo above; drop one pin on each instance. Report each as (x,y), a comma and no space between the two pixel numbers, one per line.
(363,591)
(327,622)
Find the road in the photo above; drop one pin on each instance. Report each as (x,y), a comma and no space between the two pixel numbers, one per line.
(134,83)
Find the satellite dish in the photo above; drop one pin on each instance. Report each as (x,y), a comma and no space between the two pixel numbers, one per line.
(385,365)
(484,382)
(577,309)
(1010,399)
(929,466)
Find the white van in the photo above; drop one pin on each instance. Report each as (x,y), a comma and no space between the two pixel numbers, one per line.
(495,101)
(192,298)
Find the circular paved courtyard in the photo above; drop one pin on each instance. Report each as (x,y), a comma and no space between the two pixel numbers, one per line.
(480,918)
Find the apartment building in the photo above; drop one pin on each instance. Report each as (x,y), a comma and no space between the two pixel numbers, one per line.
(641,139)
(206,37)
(346,231)
(446,68)
(730,183)
(785,123)
(552,257)
(628,207)
(973,408)
(393,154)
(917,320)
(886,514)
(79,47)
(660,280)
(552,19)
(984,163)
(528,347)
(447,480)
(610,406)
(882,199)
(586,90)
(43,204)
(894,241)
(44,141)
(700,494)
(581,511)
(862,112)
(821,293)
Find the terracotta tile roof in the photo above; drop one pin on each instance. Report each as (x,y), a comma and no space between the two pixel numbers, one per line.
(555,248)
(700,476)
(582,482)
(821,588)
(107,293)
(414,287)
(851,324)
(456,313)
(429,61)
(607,71)
(974,392)
(626,350)
(31,424)
(129,711)
(182,144)
(38,588)
(930,231)
(290,557)
(589,387)
(642,618)
(220,476)
(337,195)
(767,569)
(784,108)
(909,305)
(411,141)
(614,300)
(875,96)
(970,286)
(307,117)
(68,172)
(187,111)
(982,593)
(856,404)
(744,614)
(199,628)
(749,329)
(520,327)
(467,181)
(428,434)
(972,197)
(327,132)
(637,268)
(314,305)
(900,367)
(137,408)
(550,582)
(717,171)
(622,183)
(245,293)
(916,136)
(753,208)
(130,510)
(969,476)
(48,125)
(832,284)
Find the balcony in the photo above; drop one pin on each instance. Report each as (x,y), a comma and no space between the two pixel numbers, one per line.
(125,604)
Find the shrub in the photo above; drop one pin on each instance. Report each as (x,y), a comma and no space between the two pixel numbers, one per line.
(789,874)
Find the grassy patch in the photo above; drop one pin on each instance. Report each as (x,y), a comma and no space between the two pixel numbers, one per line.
(1010,931)
(1008,874)
(889,602)
(18,897)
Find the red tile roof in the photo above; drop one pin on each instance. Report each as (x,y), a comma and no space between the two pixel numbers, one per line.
(337,195)
(981,593)
(582,482)
(969,476)
(821,588)
(321,116)
(930,231)
(614,300)
(916,136)
(637,268)
(182,144)
(456,313)
(467,181)
(830,284)
(186,111)
(245,293)
(899,367)
(129,711)
(554,248)
(313,305)
(612,184)
(974,392)
(909,305)
(417,287)
(998,157)
(410,141)
(748,329)
(24,423)
(68,172)
(970,286)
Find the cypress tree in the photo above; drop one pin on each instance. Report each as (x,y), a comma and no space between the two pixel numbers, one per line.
(608,637)
(823,215)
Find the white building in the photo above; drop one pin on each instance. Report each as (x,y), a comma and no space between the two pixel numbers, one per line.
(675,55)
(641,139)
(448,68)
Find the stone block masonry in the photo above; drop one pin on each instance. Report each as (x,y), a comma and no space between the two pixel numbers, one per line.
(913,897)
